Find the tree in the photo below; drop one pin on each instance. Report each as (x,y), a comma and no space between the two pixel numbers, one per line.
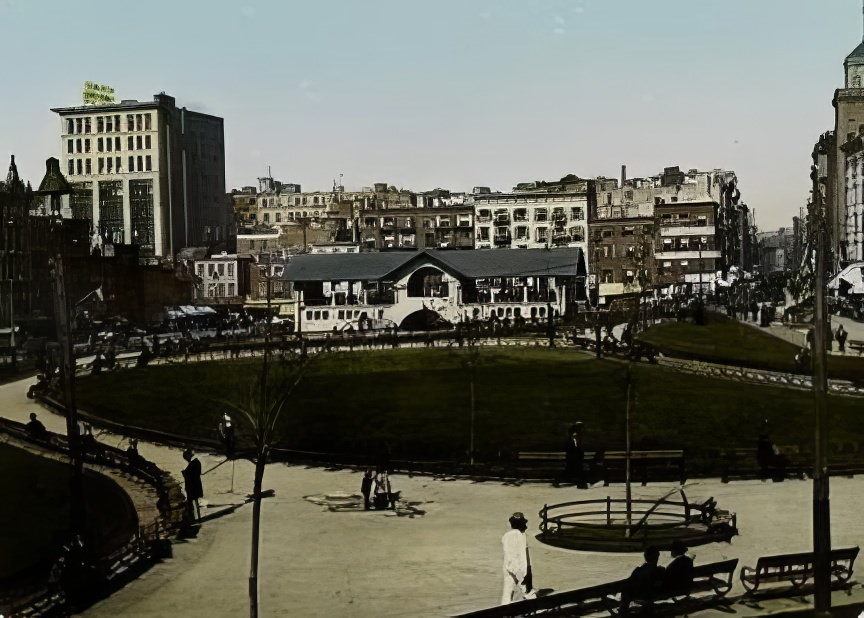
(258,410)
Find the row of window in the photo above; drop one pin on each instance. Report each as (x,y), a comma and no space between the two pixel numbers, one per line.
(298,201)
(108,124)
(629,276)
(342,314)
(215,290)
(108,144)
(408,222)
(577,213)
(541,234)
(215,268)
(109,165)
(266,216)
(628,196)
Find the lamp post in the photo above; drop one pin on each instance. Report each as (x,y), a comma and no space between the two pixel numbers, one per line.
(701,319)
(12,324)
(54,186)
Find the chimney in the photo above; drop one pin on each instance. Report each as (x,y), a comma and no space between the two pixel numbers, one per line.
(623,174)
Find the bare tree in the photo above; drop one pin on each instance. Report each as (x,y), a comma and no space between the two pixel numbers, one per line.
(258,410)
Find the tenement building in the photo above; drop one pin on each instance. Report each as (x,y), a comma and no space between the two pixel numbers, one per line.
(534,215)
(148,174)
(660,232)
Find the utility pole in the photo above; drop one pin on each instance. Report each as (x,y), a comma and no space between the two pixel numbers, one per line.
(12,325)
(62,311)
(821,499)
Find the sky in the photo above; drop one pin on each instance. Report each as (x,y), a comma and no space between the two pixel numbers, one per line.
(452,93)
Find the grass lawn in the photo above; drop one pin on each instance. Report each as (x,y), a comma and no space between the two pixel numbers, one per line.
(416,403)
(35,523)
(728,341)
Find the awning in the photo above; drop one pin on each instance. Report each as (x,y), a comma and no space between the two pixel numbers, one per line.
(850,280)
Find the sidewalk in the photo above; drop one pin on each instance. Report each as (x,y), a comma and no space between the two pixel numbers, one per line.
(442,558)
(798,334)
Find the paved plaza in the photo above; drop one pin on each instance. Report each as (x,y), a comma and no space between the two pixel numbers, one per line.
(440,557)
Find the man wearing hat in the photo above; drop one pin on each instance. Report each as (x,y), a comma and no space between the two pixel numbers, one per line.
(679,572)
(517,563)
(194,488)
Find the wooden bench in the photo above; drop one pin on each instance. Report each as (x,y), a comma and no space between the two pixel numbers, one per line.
(796,569)
(644,465)
(742,464)
(711,582)
(856,345)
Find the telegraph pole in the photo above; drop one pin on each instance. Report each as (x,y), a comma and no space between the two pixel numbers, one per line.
(64,336)
(821,500)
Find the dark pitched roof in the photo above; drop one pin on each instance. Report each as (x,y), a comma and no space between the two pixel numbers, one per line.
(344,266)
(473,264)
(513,262)
(857,53)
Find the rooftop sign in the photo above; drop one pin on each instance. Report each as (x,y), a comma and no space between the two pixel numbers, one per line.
(97,94)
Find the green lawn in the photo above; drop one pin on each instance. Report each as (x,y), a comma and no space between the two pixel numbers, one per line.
(415,402)
(727,341)
(34,523)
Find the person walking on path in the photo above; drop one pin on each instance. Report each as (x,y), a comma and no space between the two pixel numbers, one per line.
(517,564)
(550,324)
(841,338)
(366,487)
(574,451)
(194,488)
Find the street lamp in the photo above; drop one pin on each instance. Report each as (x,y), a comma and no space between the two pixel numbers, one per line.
(12,324)
(54,185)
(701,317)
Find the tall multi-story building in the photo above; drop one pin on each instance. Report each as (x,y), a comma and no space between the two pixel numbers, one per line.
(851,227)
(15,265)
(663,229)
(222,278)
(842,183)
(535,215)
(380,217)
(148,174)
(777,250)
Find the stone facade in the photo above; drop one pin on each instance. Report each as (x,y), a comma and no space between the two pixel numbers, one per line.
(532,220)
(852,222)
(148,174)
(659,232)
(848,124)
(778,251)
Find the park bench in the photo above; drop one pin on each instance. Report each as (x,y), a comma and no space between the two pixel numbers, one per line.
(742,464)
(711,582)
(796,569)
(644,465)
(856,346)
(655,466)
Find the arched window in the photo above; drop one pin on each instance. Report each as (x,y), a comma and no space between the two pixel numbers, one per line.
(427,282)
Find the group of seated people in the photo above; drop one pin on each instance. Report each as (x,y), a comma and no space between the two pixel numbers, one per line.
(650,580)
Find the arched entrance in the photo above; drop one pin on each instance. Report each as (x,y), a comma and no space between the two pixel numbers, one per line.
(424,319)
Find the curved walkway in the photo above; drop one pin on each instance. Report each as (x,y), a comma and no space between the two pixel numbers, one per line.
(317,561)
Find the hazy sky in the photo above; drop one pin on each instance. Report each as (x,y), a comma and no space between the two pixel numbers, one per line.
(452,93)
